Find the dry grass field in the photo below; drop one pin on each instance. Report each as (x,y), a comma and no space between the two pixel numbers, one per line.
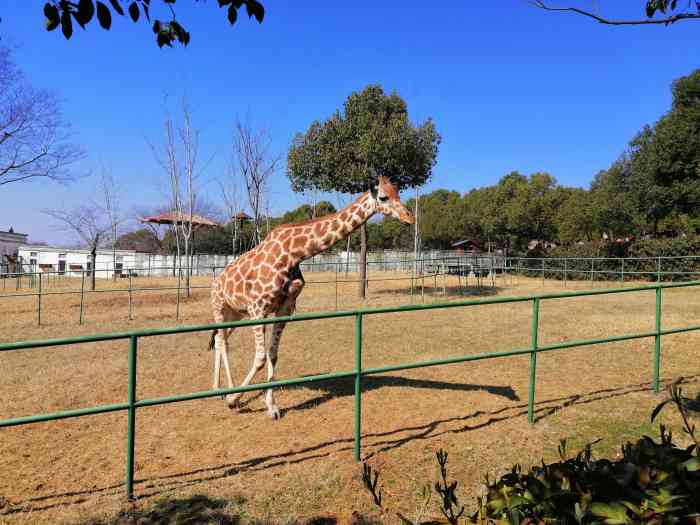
(219,465)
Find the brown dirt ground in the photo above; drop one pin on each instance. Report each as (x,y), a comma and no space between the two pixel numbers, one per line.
(302,467)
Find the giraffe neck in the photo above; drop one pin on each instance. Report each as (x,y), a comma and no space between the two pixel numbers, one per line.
(329,230)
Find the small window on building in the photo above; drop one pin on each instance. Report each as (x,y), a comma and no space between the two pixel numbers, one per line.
(33,254)
(61,255)
(120,257)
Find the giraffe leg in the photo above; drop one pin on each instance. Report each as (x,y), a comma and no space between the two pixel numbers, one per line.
(221,347)
(219,343)
(286,309)
(278,328)
(258,363)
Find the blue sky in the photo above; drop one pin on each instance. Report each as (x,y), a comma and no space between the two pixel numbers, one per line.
(508,86)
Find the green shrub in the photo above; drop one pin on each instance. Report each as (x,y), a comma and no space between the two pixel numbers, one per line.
(641,260)
(651,483)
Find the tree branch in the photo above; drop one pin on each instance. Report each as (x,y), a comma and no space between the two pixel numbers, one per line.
(664,21)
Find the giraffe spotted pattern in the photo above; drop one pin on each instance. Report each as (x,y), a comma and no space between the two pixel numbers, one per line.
(266,281)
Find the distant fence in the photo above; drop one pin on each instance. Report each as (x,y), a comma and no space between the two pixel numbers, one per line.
(475,271)
(132,404)
(661,268)
(153,265)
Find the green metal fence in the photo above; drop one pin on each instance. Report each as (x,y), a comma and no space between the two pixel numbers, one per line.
(132,404)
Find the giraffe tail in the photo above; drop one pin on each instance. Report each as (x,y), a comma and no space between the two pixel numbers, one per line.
(212,339)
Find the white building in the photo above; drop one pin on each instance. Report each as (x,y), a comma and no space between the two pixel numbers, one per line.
(73,262)
(10,241)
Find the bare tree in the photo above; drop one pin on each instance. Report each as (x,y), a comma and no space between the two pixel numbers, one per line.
(170,164)
(88,223)
(232,206)
(667,7)
(255,163)
(140,212)
(33,134)
(179,159)
(416,233)
(110,202)
(189,140)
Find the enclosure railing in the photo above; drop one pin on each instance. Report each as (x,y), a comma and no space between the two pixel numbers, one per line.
(653,268)
(132,404)
(421,269)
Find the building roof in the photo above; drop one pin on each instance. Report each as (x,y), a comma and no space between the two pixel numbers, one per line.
(11,231)
(465,242)
(58,249)
(242,216)
(172,217)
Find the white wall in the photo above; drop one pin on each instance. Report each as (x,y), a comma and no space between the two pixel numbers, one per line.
(48,259)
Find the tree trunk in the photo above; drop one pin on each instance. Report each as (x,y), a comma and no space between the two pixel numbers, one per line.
(363,261)
(93,256)
(187,265)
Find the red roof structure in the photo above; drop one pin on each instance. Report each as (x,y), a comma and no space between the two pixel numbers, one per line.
(172,217)
(242,216)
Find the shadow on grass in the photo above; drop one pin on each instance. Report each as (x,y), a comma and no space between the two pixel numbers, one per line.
(194,509)
(372,444)
(436,292)
(344,387)
(200,509)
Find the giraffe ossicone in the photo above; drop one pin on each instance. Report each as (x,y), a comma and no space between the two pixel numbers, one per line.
(266,281)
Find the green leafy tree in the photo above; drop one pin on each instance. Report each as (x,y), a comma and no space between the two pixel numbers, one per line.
(442,218)
(372,135)
(67,14)
(574,219)
(306,212)
(141,240)
(612,206)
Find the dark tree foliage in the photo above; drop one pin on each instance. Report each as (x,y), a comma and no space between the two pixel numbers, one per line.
(373,134)
(142,240)
(65,14)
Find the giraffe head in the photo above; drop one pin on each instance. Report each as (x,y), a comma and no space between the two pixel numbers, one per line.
(385,197)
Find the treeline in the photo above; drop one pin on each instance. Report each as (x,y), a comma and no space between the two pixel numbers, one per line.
(653,189)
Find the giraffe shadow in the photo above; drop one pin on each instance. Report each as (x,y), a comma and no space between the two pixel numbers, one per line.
(432,291)
(375,443)
(344,387)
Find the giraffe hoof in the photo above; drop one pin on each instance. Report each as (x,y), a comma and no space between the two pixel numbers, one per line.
(232,401)
(274,413)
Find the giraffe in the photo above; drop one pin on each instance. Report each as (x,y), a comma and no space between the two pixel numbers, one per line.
(266,281)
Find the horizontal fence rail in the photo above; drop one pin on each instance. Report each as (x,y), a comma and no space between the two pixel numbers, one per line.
(477,269)
(132,404)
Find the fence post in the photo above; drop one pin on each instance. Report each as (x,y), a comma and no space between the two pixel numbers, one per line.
(592,268)
(565,265)
(444,280)
(658,271)
(533,360)
(358,385)
(177,304)
(130,300)
(657,342)
(131,424)
(39,305)
(542,271)
(82,297)
(622,271)
(336,286)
